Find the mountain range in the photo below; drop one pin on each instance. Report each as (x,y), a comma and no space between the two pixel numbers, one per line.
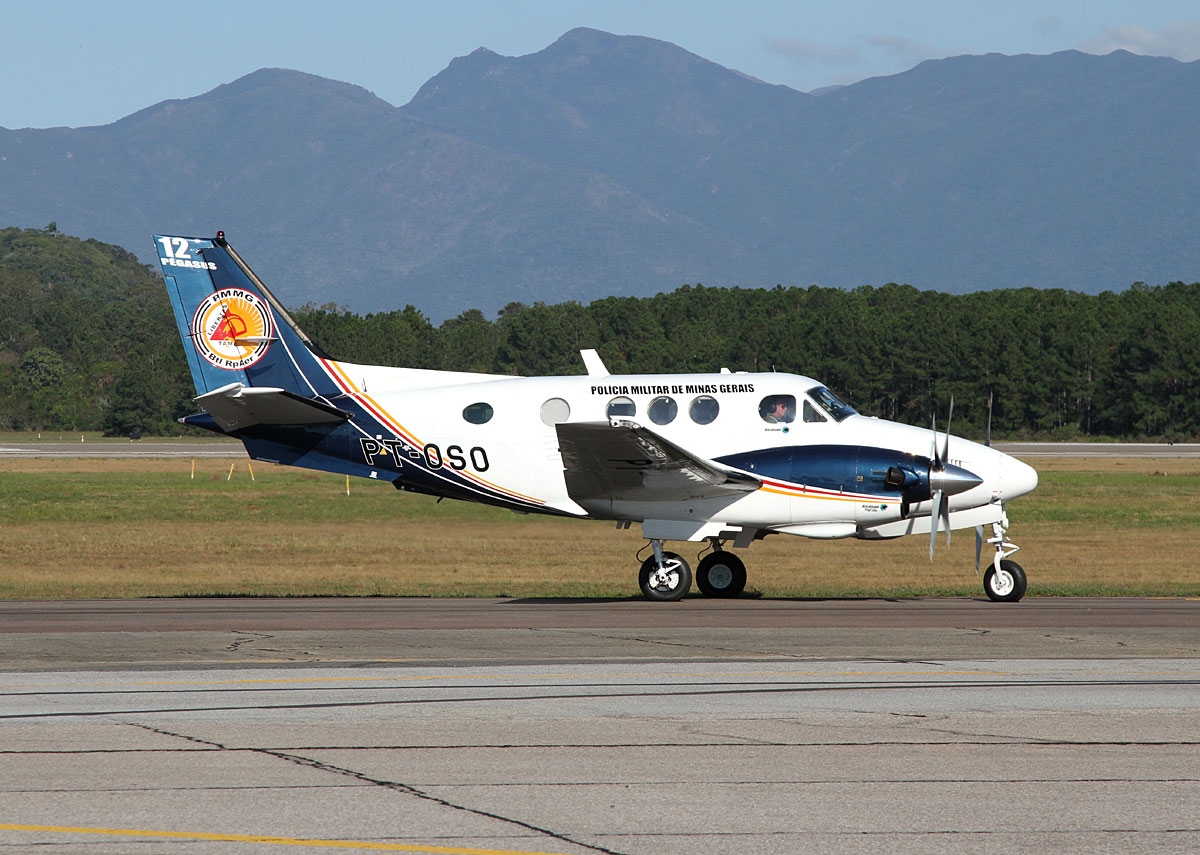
(621,165)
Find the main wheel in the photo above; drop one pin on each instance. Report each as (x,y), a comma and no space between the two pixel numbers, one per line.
(1006,586)
(721,574)
(671,583)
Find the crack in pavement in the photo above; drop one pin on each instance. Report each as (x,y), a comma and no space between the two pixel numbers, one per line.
(395,786)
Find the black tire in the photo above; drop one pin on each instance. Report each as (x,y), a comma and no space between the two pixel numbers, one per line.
(677,583)
(1006,587)
(721,574)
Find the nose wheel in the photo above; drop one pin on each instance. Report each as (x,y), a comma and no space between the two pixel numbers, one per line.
(1004,583)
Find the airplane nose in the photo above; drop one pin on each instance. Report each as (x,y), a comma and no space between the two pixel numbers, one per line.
(1018,478)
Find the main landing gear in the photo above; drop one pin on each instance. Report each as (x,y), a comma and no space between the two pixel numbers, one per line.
(721,574)
(666,576)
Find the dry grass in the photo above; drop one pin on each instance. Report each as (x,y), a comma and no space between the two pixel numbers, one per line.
(127,528)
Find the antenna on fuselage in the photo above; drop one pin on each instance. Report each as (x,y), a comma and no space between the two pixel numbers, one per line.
(593,363)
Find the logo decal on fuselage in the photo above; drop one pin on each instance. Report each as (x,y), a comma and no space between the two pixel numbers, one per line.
(232,329)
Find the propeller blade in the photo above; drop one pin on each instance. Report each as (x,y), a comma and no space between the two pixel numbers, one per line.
(978,545)
(938,457)
(933,451)
(946,444)
(987,435)
(935,519)
(946,517)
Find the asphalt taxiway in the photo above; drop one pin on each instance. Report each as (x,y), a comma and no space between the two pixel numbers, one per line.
(504,726)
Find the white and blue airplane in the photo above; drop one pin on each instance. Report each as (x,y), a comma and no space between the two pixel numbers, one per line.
(723,458)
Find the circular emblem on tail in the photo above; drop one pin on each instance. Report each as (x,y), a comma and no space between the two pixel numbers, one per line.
(232,329)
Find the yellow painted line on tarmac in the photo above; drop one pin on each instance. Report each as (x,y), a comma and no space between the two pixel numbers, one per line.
(274,841)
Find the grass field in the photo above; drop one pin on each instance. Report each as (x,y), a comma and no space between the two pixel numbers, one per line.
(134,528)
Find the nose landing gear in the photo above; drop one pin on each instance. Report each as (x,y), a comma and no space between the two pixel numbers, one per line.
(1004,581)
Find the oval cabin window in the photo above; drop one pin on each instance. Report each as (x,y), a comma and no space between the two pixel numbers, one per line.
(478,414)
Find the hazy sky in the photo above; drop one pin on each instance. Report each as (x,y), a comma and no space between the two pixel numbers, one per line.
(88,62)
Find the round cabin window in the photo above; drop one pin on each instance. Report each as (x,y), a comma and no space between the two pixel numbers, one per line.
(704,410)
(554,411)
(663,410)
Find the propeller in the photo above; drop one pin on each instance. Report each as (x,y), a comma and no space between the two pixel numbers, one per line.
(987,441)
(987,434)
(940,512)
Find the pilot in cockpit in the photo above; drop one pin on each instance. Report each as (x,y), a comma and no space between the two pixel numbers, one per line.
(777,408)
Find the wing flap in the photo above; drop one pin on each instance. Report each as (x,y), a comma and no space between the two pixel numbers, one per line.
(236,407)
(623,461)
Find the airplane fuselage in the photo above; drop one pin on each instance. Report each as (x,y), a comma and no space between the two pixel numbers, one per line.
(494,438)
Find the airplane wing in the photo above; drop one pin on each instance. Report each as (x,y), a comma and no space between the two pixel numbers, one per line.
(235,407)
(623,461)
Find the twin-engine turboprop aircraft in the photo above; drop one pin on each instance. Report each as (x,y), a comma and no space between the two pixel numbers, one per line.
(691,457)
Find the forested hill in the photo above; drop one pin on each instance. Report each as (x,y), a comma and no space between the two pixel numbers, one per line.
(87,341)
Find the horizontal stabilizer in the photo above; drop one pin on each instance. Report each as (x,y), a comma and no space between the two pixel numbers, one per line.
(236,407)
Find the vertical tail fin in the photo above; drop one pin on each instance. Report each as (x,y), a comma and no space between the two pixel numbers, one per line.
(250,363)
(233,328)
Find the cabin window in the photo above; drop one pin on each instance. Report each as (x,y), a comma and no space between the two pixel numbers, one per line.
(478,414)
(621,407)
(780,409)
(811,414)
(554,411)
(704,410)
(663,410)
(830,403)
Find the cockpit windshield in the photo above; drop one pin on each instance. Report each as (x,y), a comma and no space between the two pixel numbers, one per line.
(830,403)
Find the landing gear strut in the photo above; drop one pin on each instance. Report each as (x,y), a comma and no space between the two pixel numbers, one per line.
(1004,581)
(664,576)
